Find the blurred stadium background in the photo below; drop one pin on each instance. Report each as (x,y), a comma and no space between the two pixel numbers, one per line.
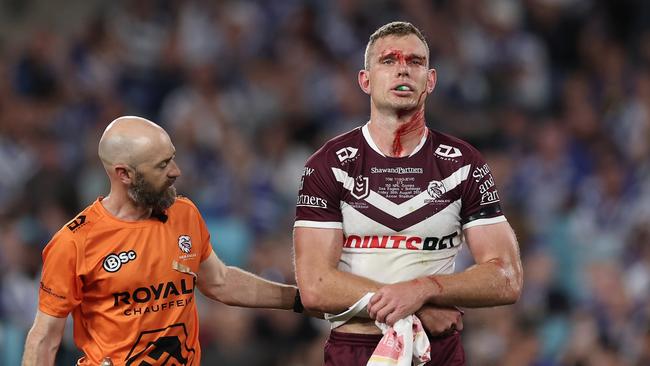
(556,93)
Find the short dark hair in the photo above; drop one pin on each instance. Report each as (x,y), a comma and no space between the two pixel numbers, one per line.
(399,29)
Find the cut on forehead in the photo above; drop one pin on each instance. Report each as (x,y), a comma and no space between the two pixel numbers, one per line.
(393,29)
(131,140)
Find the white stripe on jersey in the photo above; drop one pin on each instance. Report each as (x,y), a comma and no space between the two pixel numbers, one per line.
(400,210)
(391,266)
(479,222)
(447,219)
(318,224)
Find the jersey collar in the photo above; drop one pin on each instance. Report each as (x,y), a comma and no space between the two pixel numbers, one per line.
(366,134)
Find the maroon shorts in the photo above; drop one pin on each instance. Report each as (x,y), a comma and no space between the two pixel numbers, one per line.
(349,349)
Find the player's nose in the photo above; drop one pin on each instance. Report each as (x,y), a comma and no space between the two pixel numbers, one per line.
(402,70)
(175,171)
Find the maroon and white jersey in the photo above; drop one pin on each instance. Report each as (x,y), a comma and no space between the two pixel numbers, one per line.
(402,217)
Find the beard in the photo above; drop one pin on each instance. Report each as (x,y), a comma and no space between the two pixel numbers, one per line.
(144,194)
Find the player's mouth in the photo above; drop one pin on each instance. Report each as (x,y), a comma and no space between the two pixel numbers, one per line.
(170,182)
(403,89)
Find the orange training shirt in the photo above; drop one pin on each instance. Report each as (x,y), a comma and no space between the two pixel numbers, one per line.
(116,278)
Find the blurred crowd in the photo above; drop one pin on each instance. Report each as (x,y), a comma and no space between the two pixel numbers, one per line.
(555,93)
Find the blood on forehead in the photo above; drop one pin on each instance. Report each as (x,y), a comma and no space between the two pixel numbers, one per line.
(396,54)
(399,55)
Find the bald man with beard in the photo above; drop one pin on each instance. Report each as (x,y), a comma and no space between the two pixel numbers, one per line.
(126,266)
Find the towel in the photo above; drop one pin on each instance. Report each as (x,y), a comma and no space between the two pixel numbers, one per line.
(402,344)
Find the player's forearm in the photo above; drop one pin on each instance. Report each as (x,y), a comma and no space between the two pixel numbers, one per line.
(242,288)
(332,291)
(39,350)
(492,283)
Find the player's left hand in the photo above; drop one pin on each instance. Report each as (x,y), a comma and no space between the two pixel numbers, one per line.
(394,302)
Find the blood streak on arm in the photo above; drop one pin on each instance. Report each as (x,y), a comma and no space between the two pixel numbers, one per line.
(435,281)
(499,263)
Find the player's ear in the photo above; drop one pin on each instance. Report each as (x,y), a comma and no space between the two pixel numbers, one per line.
(124,173)
(431,80)
(364,81)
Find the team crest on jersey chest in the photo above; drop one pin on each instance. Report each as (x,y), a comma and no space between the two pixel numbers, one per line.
(185,245)
(435,190)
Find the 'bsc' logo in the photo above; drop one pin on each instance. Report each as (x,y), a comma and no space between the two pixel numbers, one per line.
(185,243)
(113,262)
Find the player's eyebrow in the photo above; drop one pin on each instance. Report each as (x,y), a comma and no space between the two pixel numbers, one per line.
(416,57)
(164,161)
(400,55)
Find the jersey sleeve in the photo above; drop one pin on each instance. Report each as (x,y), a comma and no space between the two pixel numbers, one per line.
(61,286)
(206,246)
(480,197)
(195,218)
(319,204)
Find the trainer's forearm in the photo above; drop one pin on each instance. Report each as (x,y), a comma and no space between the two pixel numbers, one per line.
(492,283)
(39,350)
(241,288)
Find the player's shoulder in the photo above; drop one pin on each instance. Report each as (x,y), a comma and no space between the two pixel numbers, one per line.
(77,229)
(451,147)
(341,147)
(182,205)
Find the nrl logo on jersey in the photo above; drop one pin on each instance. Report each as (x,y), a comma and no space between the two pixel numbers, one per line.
(361,188)
(346,153)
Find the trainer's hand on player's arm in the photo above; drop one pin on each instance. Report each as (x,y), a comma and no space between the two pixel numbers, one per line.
(394,302)
(440,321)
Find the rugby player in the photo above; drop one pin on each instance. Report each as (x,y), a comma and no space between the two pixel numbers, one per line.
(385,208)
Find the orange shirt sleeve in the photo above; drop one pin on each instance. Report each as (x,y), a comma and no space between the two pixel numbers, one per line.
(206,246)
(60,290)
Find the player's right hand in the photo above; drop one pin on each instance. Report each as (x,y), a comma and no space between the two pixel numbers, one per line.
(440,321)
